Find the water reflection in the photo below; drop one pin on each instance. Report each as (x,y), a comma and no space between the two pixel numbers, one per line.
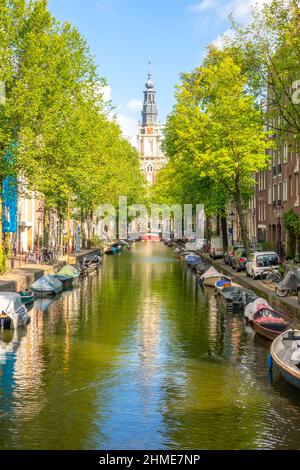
(138,356)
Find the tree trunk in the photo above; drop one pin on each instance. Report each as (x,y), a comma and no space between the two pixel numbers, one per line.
(208,230)
(218,226)
(224,233)
(82,221)
(243,225)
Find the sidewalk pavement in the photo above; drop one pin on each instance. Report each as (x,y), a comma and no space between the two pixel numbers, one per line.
(286,304)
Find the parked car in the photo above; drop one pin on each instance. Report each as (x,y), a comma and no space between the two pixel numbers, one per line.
(239,260)
(259,261)
(228,255)
(216,247)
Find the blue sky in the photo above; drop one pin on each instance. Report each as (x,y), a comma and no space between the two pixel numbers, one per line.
(123,34)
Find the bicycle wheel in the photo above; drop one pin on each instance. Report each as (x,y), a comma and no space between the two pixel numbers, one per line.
(269,279)
(281,292)
(264,276)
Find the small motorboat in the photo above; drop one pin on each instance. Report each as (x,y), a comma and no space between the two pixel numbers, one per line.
(184,254)
(193,260)
(201,268)
(69,271)
(116,248)
(12,312)
(254,306)
(270,323)
(47,285)
(219,285)
(27,296)
(285,352)
(91,263)
(67,281)
(237,296)
(68,275)
(124,244)
(211,276)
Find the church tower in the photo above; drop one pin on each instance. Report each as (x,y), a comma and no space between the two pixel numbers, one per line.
(149,134)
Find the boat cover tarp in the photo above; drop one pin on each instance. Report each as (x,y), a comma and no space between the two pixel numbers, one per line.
(47,284)
(254,306)
(11,305)
(291,280)
(69,271)
(211,272)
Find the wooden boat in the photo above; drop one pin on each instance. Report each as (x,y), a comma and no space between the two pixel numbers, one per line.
(285,352)
(270,323)
(237,296)
(211,276)
(27,296)
(12,312)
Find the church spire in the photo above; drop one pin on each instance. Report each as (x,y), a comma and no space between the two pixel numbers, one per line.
(149,112)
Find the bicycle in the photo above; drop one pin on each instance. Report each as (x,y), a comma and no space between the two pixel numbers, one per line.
(270,275)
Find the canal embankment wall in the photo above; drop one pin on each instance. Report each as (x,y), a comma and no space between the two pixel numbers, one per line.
(26,274)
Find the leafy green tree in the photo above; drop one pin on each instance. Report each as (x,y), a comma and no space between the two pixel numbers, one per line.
(216,128)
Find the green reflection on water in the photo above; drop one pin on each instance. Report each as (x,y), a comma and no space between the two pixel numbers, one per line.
(122,362)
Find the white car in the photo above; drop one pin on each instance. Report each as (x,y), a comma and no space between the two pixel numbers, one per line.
(259,261)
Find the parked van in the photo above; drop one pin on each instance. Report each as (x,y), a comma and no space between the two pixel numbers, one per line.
(216,247)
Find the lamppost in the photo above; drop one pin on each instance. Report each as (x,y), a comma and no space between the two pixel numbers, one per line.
(231,218)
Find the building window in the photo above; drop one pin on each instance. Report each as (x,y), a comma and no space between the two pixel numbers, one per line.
(274,192)
(296,185)
(279,194)
(291,186)
(285,153)
(269,195)
(149,169)
(285,191)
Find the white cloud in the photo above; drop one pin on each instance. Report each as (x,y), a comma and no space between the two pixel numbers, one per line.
(106,93)
(129,128)
(203,6)
(134,105)
(240,9)
(219,41)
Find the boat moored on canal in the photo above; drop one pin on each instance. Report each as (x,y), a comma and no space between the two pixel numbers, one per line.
(211,276)
(237,296)
(12,311)
(27,296)
(270,323)
(285,352)
(47,285)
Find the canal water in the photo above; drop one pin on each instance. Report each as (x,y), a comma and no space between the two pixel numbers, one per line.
(122,363)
